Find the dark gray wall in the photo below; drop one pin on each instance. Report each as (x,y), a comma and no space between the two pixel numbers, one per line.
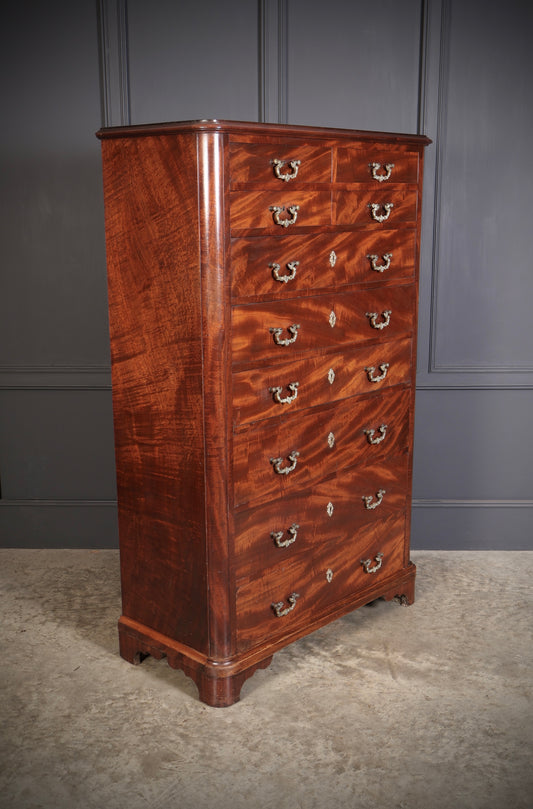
(457,70)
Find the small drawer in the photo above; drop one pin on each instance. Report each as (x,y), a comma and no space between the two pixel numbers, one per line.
(303,588)
(277,267)
(321,379)
(376,166)
(279,211)
(392,206)
(279,164)
(280,330)
(274,458)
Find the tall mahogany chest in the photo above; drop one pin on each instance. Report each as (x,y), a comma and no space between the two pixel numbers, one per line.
(263,310)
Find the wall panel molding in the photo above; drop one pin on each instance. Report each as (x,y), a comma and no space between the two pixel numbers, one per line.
(55,377)
(273,61)
(114,62)
(433,107)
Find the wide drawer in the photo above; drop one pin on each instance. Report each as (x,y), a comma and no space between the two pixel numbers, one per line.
(277,211)
(275,458)
(282,163)
(376,165)
(321,379)
(293,593)
(280,330)
(330,509)
(393,205)
(287,265)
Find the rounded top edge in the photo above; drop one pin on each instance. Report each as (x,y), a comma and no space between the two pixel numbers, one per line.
(251,127)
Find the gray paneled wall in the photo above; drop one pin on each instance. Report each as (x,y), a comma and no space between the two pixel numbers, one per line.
(455,69)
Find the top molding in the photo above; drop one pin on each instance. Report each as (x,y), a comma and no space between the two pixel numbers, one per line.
(253,127)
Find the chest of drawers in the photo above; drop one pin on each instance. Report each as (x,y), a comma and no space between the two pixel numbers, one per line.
(263,309)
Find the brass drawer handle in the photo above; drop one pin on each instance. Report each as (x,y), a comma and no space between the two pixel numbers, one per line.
(285,470)
(382,429)
(291,266)
(290,220)
(376,206)
(369,501)
(373,319)
(279,399)
(276,334)
(277,536)
(369,567)
(293,165)
(281,610)
(380,267)
(377,175)
(384,367)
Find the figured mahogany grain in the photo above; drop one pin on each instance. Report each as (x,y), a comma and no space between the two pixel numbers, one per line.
(252,259)
(190,240)
(327,442)
(324,321)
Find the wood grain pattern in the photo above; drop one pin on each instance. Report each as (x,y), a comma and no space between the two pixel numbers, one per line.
(353,207)
(349,312)
(252,209)
(252,259)
(353,165)
(306,576)
(308,509)
(342,424)
(154,314)
(190,239)
(252,163)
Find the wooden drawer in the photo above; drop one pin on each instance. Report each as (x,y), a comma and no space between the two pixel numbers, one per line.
(322,260)
(255,163)
(295,208)
(355,165)
(321,379)
(356,207)
(284,329)
(327,441)
(330,509)
(310,585)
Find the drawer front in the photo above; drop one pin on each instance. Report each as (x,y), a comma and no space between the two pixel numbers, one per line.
(265,462)
(287,597)
(392,205)
(281,330)
(332,509)
(278,211)
(281,267)
(376,166)
(321,379)
(279,164)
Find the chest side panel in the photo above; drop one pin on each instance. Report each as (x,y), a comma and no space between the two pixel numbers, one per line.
(155,323)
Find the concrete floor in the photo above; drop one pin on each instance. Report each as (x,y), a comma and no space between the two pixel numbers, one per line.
(424,707)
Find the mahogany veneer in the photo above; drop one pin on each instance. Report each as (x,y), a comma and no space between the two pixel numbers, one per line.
(263,361)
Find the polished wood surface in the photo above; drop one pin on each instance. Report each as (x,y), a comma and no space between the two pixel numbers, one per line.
(255,462)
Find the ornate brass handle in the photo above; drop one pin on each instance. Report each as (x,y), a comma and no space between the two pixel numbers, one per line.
(384,367)
(276,393)
(373,318)
(280,341)
(290,220)
(382,429)
(277,536)
(369,501)
(293,165)
(376,206)
(369,567)
(292,266)
(379,176)
(380,267)
(285,470)
(281,610)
